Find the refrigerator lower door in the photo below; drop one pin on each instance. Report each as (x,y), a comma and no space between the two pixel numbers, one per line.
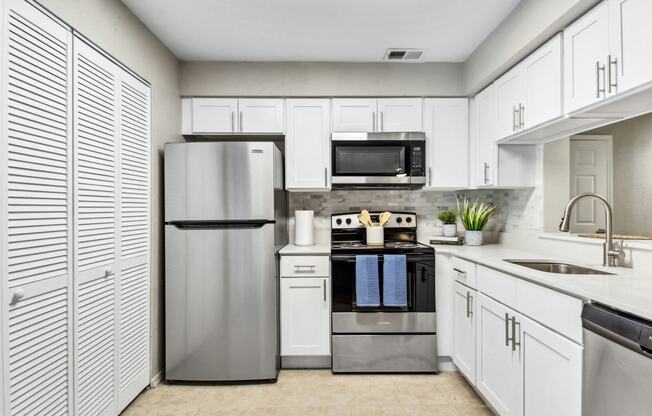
(221,296)
(221,181)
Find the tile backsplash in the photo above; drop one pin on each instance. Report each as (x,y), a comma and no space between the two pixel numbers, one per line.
(518,209)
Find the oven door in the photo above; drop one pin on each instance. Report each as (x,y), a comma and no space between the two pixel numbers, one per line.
(371,162)
(420,284)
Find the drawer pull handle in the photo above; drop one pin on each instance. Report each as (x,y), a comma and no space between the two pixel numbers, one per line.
(304,268)
(462,272)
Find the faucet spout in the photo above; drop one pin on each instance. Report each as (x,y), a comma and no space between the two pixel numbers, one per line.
(610,254)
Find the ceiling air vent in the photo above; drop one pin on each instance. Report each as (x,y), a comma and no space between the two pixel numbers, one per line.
(403,54)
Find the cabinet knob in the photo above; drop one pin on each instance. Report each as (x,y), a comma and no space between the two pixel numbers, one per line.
(108,271)
(17,296)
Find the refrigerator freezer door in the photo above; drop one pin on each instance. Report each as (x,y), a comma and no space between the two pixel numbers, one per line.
(216,181)
(221,292)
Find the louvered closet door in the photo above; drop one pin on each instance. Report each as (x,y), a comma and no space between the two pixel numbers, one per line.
(35,206)
(134,111)
(95,193)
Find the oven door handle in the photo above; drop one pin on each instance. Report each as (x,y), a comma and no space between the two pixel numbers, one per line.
(410,258)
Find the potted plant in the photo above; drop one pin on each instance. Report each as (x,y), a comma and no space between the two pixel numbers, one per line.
(474,218)
(449,218)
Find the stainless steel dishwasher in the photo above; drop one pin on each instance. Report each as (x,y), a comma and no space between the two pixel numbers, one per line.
(617,375)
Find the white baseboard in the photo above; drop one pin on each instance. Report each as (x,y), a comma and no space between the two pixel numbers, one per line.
(445,364)
(156,380)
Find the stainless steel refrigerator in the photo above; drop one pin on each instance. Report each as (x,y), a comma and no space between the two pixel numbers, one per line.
(225,219)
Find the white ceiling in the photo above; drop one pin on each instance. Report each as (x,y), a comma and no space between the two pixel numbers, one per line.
(320,30)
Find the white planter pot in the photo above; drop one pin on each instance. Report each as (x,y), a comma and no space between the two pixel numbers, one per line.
(473,238)
(450,230)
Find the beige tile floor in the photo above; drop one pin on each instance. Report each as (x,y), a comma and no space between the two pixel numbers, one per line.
(318,392)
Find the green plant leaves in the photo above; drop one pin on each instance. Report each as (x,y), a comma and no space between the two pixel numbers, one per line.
(475,216)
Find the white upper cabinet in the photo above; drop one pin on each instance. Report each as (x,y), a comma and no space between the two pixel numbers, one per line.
(260,115)
(377,115)
(214,115)
(355,114)
(586,51)
(531,92)
(446,123)
(630,37)
(307,144)
(483,126)
(399,114)
(509,103)
(542,84)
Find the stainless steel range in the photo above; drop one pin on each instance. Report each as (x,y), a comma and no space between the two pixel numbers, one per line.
(382,339)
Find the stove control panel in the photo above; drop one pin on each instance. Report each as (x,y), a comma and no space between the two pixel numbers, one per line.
(350,221)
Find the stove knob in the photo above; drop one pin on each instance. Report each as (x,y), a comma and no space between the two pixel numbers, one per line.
(399,220)
(408,220)
(348,221)
(338,221)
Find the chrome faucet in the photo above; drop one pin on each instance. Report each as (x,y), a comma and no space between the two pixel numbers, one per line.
(610,252)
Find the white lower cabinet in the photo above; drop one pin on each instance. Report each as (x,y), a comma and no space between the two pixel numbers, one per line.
(499,376)
(464,330)
(305,316)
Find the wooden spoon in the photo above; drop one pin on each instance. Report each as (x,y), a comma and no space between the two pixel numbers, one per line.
(365,218)
(384,217)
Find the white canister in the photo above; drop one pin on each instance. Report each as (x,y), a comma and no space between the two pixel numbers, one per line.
(304,230)
(375,236)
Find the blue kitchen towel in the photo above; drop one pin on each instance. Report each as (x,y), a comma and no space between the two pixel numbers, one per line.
(395,281)
(367,292)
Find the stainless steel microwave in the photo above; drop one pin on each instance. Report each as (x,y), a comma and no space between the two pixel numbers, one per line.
(378,160)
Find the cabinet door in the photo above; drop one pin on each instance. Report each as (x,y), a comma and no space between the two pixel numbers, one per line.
(631,44)
(307,144)
(542,72)
(214,115)
(354,114)
(446,123)
(95,195)
(133,289)
(498,371)
(485,134)
(264,115)
(36,224)
(586,49)
(400,114)
(464,330)
(305,316)
(552,371)
(509,103)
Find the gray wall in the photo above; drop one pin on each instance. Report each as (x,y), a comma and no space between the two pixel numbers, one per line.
(113,27)
(530,24)
(320,79)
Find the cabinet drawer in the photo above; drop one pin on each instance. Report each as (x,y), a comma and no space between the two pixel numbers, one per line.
(557,311)
(305,266)
(464,272)
(497,285)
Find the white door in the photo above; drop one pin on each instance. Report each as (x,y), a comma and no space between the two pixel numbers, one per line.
(132,284)
(95,195)
(400,114)
(214,115)
(35,204)
(485,132)
(355,114)
(307,144)
(631,44)
(509,103)
(464,330)
(305,316)
(499,371)
(542,73)
(590,171)
(446,123)
(552,372)
(260,115)
(586,49)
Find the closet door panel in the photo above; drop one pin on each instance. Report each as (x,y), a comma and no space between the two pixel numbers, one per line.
(133,284)
(95,186)
(35,206)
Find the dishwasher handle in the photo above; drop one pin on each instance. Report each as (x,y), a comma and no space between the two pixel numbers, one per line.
(630,331)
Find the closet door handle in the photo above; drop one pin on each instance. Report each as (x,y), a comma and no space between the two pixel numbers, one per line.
(613,63)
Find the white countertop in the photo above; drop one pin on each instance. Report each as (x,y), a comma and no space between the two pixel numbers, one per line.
(291,249)
(627,290)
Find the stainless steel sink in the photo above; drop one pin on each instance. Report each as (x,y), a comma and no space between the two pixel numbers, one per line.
(555,267)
